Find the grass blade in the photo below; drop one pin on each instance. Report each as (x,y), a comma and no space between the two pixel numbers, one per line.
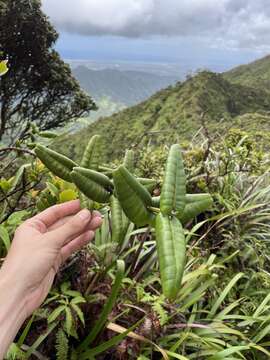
(224,293)
(100,323)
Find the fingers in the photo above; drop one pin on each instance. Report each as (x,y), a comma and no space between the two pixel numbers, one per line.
(73,228)
(92,226)
(71,243)
(60,222)
(55,213)
(76,245)
(82,240)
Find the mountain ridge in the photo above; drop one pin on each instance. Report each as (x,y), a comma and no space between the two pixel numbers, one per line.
(255,74)
(173,114)
(127,87)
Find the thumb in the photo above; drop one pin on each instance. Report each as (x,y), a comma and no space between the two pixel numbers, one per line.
(73,228)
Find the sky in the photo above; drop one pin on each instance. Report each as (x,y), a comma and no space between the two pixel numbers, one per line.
(217,34)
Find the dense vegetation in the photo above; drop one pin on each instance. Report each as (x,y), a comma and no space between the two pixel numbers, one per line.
(166,277)
(98,310)
(106,107)
(256,74)
(39,86)
(175,114)
(121,86)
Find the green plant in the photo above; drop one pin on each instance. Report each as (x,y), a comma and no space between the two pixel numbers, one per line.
(196,204)
(136,203)
(171,248)
(3,67)
(92,155)
(39,86)
(129,160)
(133,196)
(94,185)
(173,195)
(67,309)
(106,310)
(219,308)
(119,222)
(57,163)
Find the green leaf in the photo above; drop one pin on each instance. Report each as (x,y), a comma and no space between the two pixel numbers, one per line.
(261,334)
(4,236)
(65,286)
(78,300)
(99,325)
(56,312)
(262,307)
(48,134)
(69,320)
(89,354)
(15,353)
(176,356)
(25,331)
(72,293)
(3,67)
(225,353)
(67,195)
(78,312)
(61,345)
(5,185)
(20,174)
(40,339)
(16,218)
(224,293)
(53,189)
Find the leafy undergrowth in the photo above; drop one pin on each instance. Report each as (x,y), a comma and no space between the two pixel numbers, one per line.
(99,310)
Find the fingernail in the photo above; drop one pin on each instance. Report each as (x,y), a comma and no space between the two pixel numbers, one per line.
(85,215)
(96,213)
(99,219)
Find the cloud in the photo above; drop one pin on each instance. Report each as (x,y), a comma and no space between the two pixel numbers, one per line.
(237,23)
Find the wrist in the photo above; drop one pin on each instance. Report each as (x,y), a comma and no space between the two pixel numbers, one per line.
(13,278)
(12,310)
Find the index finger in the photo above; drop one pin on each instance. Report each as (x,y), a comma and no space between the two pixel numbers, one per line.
(57,212)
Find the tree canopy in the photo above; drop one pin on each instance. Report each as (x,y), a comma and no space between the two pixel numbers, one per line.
(39,86)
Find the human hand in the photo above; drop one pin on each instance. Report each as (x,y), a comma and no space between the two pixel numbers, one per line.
(41,244)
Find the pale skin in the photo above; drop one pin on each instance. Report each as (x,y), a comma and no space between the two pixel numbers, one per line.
(40,246)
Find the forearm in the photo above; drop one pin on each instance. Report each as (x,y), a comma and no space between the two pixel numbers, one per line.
(12,311)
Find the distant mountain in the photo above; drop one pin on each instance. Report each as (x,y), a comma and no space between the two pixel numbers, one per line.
(106,107)
(255,74)
(173,115)
(124,87)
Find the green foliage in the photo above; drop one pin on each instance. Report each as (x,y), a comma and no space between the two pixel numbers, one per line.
(93,153)
(133,196)
(173,194)
(61,346)
(121,87)
(15,353)
(68,308)
(255,74)
(39,86)
(99,325)
(3,67)
(221,303)
(174,115)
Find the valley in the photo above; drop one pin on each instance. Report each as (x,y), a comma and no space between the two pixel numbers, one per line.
(173,114)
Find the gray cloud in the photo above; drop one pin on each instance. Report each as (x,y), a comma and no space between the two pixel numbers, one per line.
(234,23)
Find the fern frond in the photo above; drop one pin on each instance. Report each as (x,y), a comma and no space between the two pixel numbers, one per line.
(61,346)
(161,313)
